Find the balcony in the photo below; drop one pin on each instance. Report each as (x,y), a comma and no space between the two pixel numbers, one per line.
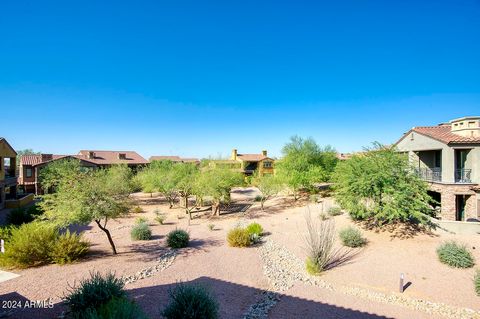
(429,174)
(463,176)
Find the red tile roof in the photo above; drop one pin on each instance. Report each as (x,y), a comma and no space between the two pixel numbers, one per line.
(112,157)
(251,157)
(443,134)
(42,158)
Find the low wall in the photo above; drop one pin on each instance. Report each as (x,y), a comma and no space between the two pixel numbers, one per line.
(459,228)
(15,203)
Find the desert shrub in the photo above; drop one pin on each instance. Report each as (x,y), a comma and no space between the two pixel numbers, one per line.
(258,198)
(178,238)
(141,231)
(320,241)
(141,220)
(94,292)
(352,237)
(67,248)
(314,198)
(160,218)
(323,216)
(29,245)
(238,237)
(455,255)
(116,308)
(191,302)
(137,210)
(211,226)
(255,228)
(5,232)
(334,211)
(476,282)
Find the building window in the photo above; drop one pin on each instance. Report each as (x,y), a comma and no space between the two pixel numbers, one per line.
(267,164)
(28,172)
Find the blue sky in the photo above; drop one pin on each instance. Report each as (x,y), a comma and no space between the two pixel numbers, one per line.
(197,78)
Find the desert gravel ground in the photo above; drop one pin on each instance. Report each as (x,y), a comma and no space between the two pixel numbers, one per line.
(244,281)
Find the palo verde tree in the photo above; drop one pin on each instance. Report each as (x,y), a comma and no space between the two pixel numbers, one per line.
(305,163)
(160,176)
(98,196)
(269,185)
(218,182)
(64,170)
(380,186)
(185,175)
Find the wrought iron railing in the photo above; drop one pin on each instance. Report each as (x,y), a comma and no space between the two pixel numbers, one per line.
(430,174)
(463,175)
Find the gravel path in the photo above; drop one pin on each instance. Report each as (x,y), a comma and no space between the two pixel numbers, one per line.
(164,261)
(284,269)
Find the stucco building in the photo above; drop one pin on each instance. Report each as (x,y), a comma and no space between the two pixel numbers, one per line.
(248,164)
(8,178)
(447,156)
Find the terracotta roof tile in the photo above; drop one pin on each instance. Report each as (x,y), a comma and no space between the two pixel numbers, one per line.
(112,157)
(443,134)
(251,157)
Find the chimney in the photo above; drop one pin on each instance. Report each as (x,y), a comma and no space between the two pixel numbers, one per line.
(264,153)
(47,157)
(234,154)
(122,156)
(91,155)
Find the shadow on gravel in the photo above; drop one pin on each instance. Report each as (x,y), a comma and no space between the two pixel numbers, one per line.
(235,300)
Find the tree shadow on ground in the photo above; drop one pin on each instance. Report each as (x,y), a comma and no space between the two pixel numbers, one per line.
(399,230)
(342,257)
(235,299)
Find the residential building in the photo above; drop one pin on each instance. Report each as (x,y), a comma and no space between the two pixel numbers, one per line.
(447,156)
(31,165)
(175,159)
(8,178)
(248,163)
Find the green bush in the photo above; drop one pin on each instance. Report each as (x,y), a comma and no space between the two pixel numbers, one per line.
(476,282)
(140,220)
(352,237)
(23,215)
(178,238)
(191,302)
(68,247)
(255,228)
(334,211)
(116,308)
(5,232)
(258,198)
(29,245)
(238,237)
(93,293)
(455,255)
(141,231)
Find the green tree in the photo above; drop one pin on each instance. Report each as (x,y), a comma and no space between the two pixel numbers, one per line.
(218,182)
(185,175)
(60,171)
(97,196)
(269,186)
(305,163)
(381,187)
(160,176)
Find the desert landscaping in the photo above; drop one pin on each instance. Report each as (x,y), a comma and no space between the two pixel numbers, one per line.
(268,277)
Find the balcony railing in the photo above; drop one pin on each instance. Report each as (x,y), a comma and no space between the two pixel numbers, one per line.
(430,174)
(463,175)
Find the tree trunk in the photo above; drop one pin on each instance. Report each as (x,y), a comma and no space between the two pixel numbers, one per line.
(107,232)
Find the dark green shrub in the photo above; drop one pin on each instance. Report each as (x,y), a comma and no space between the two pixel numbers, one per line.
(94,292)
(23,215)
(238,237)
(178,238)
(455,255)
(141,231)
(476,282)
(68,247)
(335,211)
(117,308)
(191,302)
(258,198)
(352,237)
(29,245)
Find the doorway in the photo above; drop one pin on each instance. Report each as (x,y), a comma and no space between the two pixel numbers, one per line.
(460,203)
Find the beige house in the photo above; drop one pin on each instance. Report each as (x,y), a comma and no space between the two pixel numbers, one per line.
(8,178)
(447,156)
(248,163)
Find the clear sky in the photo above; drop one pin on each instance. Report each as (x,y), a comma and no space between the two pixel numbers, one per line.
(197,78)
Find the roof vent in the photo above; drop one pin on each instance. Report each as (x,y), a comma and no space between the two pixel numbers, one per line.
(122,156)
(91,155)
(47,157)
